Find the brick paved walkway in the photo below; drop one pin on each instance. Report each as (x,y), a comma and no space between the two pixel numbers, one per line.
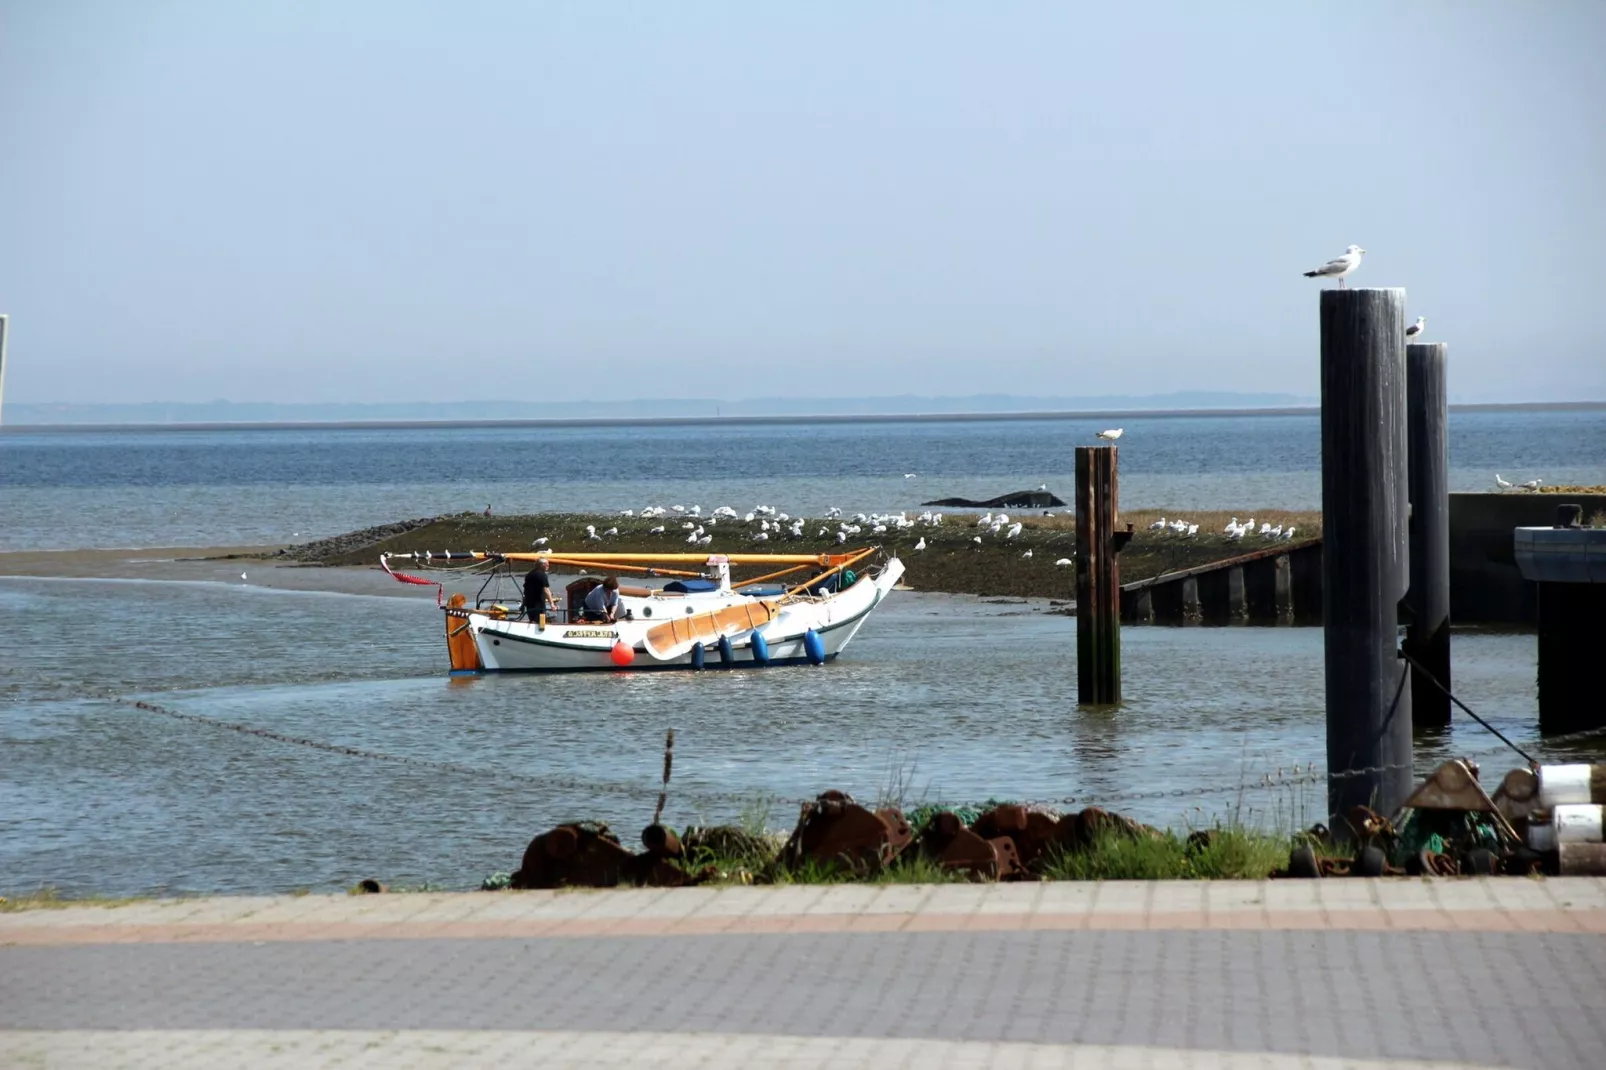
(1476,972)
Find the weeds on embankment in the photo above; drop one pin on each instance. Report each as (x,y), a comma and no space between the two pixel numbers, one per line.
(1219,854)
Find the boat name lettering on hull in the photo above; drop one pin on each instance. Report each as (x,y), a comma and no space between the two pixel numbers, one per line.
(590,633)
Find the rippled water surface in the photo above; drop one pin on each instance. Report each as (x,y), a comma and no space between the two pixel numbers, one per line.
(196,488)
(938,699)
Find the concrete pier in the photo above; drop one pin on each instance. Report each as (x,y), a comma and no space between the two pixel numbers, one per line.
(1567,565)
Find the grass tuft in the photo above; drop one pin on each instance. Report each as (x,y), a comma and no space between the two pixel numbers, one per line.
(1225,854)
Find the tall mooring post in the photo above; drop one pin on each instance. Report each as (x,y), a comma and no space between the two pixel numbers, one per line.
(1365,568)
(1427,633)
(1098,578)
(5,322)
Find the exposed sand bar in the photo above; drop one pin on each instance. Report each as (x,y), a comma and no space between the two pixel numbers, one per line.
(215,564)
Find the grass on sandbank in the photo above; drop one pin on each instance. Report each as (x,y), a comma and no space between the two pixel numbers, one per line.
(951,562)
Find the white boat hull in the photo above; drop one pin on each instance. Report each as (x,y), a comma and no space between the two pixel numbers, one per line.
(518,646)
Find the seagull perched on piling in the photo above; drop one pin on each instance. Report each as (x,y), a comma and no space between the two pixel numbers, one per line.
(1112,434)
(1338,267)
(1532,484)
(1062,562)
(1416,328)
(1503,484)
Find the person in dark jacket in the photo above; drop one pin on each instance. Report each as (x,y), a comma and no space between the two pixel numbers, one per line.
(538,595)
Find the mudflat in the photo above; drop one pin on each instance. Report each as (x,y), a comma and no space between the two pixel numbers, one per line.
(250,565)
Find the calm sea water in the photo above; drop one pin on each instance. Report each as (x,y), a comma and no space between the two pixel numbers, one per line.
(188,488)
(939,699)
(952,699)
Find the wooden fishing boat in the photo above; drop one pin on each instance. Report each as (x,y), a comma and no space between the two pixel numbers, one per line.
(696,620)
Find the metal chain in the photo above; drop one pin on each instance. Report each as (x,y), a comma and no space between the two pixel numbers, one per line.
(1297,776)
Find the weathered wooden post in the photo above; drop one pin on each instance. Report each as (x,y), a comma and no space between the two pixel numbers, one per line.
(1098,579)
(1365,568)
(5,322)
(1427,634)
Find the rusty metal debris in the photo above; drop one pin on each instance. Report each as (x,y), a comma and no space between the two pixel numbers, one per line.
(1034,833)
(946,841)
(833,830)
(578,855)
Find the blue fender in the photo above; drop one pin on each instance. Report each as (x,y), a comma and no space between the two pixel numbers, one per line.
(760,648)
(727,656)
(814,647)
(697,657)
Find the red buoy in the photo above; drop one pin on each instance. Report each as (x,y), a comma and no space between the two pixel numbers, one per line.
(622,654)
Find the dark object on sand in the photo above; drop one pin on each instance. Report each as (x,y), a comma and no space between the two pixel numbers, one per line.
(1021,499)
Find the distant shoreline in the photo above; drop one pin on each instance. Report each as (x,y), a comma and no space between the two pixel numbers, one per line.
(721,421)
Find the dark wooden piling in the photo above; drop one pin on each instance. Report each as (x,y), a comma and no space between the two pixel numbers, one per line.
(1305,585)
(1365,567)
(1570,616)
(1166,602)
(5,322)
(1098,578)
(1427,635)
(1260,589)
(1215,596)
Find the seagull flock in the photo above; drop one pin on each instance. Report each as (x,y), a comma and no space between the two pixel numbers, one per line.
(1234,530)
(1506,484)
(765,523)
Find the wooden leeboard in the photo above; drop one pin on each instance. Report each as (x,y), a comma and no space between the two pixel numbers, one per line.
(673,638)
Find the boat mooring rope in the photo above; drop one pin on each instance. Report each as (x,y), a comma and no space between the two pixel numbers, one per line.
(1417,665)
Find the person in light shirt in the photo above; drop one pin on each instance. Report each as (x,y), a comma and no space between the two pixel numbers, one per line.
(602,602)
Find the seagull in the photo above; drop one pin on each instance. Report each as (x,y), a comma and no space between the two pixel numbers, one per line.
(1042,486)
(841,537)
(1503,484)
(909,475)
(591,533)
(1339,267)
(691,539)
(1062,562)
(1014,530)
(543,540)
(242,575)
(1112,434)
(1416,328)
(705,540)
(1532,484)
(611,531)
(1028,553)
(1289,534)
(921,545)
(659,530)
(977,540)
(762,536)
(628,512)
(1193,529)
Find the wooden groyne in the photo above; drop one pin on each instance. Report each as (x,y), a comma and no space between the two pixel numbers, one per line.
(1279,584)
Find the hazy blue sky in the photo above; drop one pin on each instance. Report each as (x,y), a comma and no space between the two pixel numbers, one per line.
(349,201)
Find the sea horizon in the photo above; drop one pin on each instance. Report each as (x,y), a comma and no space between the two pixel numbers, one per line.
(749,419)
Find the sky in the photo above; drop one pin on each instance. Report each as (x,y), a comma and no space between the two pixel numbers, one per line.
(378,200)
